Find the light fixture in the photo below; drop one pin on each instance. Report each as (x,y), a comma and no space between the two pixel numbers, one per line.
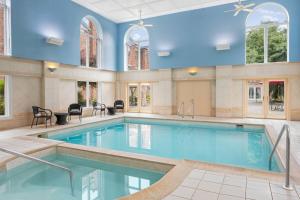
(52,66)
(164,53)
(193,71)
(55,41)
(223,46)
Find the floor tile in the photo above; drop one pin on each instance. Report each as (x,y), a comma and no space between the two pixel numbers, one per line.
(184,192)
(262,186)
(189,182)
(284,197)
(233,191)
(228,197)
(216,178)
(196,174)
(258,194)
(204,195)
(252,179)
(235,181)
(209,186)
(278,189)
(171,197)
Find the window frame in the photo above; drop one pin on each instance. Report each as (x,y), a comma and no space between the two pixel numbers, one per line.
(7,98)
(99,39)
(139,60)
(87,92)
(266,27)
(6,27)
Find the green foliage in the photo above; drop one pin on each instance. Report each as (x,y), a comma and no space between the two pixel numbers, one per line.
(277,45)
(255,46)
(2,101)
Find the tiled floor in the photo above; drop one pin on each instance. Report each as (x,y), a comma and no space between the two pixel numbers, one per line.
(209,185)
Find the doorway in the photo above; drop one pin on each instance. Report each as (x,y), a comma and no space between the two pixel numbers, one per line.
(139,97)
(266,98)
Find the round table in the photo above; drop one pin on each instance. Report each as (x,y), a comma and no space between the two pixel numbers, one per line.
(111,110)
(61,118)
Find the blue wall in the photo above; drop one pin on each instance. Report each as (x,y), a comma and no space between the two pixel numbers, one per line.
(192,37)
(34,20)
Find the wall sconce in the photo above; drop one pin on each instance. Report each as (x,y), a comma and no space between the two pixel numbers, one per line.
(223,46)
(164,53)
(52,66)
(55,41)
(193,71)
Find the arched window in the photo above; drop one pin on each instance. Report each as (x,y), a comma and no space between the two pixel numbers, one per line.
(90,43)
(267,29)
(136,47)
(5,36)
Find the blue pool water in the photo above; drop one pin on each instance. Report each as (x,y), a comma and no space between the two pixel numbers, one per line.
(223,144)
(92,180)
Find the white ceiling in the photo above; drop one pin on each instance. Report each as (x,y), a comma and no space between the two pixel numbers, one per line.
(127,10)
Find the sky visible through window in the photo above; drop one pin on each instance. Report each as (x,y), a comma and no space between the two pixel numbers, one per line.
(267,13)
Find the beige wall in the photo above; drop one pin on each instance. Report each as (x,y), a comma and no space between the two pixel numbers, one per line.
(224,87)
(33,84)
(227,87)
(25,90)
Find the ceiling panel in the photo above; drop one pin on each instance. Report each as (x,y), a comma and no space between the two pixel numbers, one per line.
(127,10)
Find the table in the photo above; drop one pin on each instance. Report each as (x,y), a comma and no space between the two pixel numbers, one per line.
(111,110)
(61,118)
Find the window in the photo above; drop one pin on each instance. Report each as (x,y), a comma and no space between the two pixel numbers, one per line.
(87,93)
(267,34)
(4,96)
(136,56)
(90,43)
(5,41)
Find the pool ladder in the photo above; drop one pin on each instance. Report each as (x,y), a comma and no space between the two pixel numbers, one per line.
(285,129)
(180,111)
(18,154)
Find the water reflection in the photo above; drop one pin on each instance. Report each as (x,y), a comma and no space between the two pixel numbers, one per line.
(139,136)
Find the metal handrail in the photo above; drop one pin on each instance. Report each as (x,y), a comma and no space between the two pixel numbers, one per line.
(193,107)
(18,154)
(284,129)
(181,108)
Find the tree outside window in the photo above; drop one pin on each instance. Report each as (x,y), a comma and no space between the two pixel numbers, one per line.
(87,93)
(267,34)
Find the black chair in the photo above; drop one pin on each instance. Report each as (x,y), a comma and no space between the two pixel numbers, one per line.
(75,109)
(98,107)
(41,113)
(119,105)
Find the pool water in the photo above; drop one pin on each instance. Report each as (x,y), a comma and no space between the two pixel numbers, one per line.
(223,144)
(92,180)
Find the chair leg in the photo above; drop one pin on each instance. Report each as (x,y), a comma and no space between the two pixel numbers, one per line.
(32,122)
(36,123)
(46,122)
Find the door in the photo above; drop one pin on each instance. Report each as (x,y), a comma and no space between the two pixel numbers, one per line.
(255,99)
(266,99)
(133,98)
(140,97)
(276,107)
(197,93)
(146,98)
